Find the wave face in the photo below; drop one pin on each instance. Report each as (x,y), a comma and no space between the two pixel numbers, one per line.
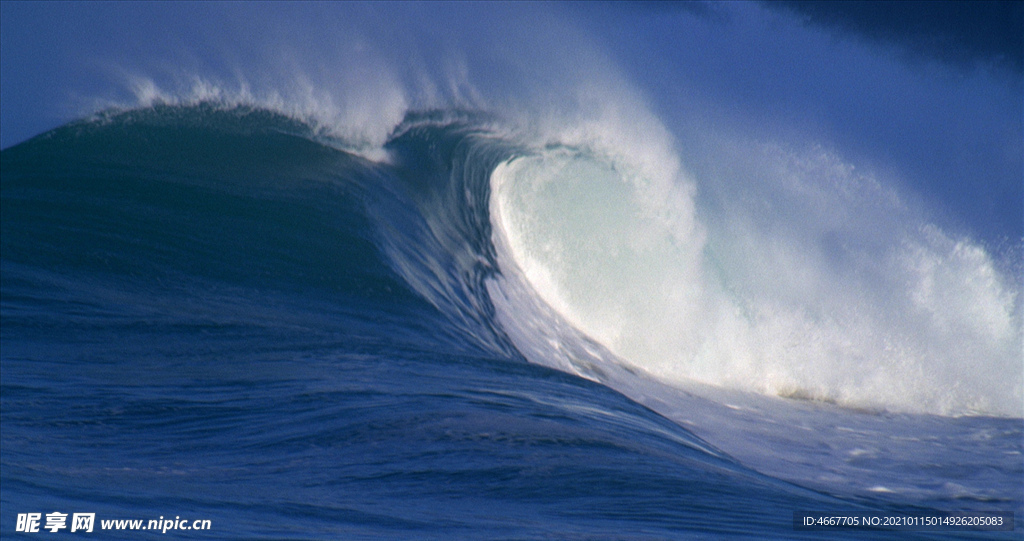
(252,321)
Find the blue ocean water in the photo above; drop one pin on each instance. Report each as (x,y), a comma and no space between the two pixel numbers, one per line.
(216,311)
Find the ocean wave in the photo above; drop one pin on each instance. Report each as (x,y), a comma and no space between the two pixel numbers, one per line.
(469,238)
(814,282)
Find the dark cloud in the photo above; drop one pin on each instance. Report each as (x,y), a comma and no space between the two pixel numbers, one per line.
(964,33)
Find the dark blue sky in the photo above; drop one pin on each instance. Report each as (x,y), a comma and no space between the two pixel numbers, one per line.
(929,94)
(964,33)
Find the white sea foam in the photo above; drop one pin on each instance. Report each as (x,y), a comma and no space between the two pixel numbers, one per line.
(812,281)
